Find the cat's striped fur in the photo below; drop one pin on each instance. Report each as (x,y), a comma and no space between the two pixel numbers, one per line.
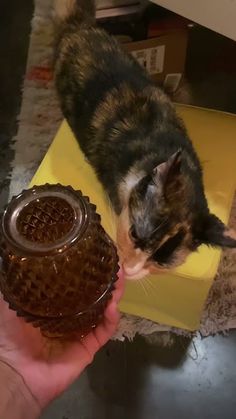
(129,131)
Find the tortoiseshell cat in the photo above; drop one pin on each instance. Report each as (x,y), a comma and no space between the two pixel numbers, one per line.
(129,131)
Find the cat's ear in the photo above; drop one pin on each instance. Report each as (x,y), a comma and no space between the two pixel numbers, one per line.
(169,176)
(164,172)
(214,233)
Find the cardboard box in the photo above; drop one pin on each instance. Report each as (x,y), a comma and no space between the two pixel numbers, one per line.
(164,57)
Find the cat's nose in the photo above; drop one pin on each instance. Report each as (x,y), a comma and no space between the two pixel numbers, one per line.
(131,270)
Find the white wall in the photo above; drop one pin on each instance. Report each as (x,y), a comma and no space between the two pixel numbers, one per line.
(218,15)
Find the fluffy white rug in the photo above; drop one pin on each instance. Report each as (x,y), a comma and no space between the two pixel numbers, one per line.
(38,122)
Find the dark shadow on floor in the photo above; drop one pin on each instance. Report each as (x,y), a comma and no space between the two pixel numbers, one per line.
(15,18)
(138,380)
(122,366)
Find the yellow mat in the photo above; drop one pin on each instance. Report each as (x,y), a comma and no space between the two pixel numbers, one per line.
(177,298)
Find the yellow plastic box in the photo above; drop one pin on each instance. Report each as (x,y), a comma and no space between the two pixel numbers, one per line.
(177,298)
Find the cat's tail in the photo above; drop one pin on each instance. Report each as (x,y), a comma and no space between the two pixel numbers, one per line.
(81,11)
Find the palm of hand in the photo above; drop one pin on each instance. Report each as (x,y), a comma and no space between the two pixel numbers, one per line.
(50,366)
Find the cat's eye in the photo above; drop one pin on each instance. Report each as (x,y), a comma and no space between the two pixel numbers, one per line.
(165,252)
(133,233)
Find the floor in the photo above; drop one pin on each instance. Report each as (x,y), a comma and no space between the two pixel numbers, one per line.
(137,380)
(15,21)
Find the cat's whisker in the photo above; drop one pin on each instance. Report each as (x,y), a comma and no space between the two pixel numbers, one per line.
(113,219)
(144,284)
(149,283)
(143,287)
(159,226)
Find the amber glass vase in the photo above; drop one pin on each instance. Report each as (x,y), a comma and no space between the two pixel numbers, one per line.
(58,266)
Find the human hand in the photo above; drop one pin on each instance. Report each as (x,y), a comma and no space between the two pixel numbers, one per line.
(49,366)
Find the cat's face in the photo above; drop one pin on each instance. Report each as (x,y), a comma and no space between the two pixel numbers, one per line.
(160,226)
